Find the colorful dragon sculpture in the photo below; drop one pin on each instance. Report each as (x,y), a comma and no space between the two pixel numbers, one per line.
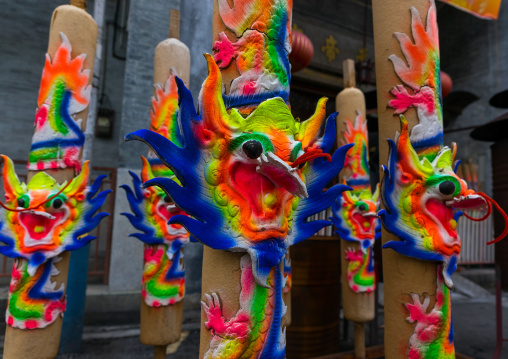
(163,281)
(250,184)
(355,212)
(263,30)
(64,92)
(420,189)
(42,219)
(420,197)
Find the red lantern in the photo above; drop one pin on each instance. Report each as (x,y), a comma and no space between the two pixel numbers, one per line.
(446,84)
(302,51)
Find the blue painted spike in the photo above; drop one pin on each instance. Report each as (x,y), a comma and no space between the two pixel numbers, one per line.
(170,154)
(187,115)
(328,139)
(91,217)
(137,219)
(319,174)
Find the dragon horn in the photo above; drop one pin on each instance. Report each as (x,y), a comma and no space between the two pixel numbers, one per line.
(309,130)
(78,184)
(213,110)
(12,185)
(408,158)
(146,171)
(375,196)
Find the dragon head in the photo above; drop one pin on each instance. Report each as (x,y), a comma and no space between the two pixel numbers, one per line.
(44,218)
(247,181)
(160,208)
(355,216)
(420,197)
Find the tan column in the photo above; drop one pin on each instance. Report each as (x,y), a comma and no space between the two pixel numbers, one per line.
(81,30)
(402,275)
(161,326)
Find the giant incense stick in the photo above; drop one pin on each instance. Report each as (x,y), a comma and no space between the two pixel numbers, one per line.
(355,212)
(419,186)
(54,211)
(163,273)
(250,177)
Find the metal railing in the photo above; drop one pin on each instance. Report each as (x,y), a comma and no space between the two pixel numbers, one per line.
(474,236)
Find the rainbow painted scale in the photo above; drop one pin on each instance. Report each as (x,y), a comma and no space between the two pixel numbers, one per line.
(64,92)
(50,218)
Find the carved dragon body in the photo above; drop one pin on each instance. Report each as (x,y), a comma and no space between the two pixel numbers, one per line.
(360,270)
(255,330)
(261,51)
(249,183)
(64,92)
(433,333)
(34,300)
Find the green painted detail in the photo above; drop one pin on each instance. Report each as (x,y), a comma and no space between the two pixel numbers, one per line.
(295,152)
(238,141)
(55,118)
(435,180)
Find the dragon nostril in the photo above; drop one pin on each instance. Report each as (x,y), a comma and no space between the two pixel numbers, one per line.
(447,188)
(253,149)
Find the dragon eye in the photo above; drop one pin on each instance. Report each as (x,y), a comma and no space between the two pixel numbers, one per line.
(362,207)
(57,203)
(167,199)
(253,149)
(21,202)
(447,188)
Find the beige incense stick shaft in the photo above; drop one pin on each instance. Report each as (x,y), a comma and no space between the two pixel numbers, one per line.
(161,326)
(358,307)
(221,275)
(402,275)
(360,340)
(286,297)
(159,352)
(348,70)
(174,24)
(81,30)
(286,319)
